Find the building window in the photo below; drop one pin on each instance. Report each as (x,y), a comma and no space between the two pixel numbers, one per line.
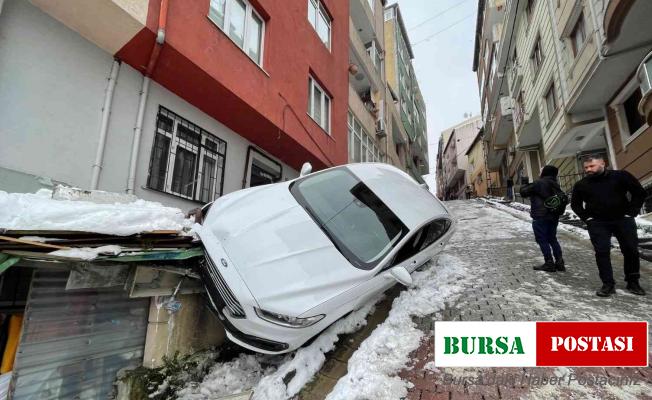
(261,170)
(374,53)
(186,160)
(630,124)
(319,105)
(529,9)
(371,5)
(320,20)
(578,35)
(240,22)
(551,101)
(362,147)
(536,58)
(634,119)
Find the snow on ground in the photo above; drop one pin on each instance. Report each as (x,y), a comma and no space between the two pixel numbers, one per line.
(38,211)
(265,374)
(373,368)
(644,226)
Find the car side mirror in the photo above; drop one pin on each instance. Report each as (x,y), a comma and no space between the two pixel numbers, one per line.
(306,168)
(401,275)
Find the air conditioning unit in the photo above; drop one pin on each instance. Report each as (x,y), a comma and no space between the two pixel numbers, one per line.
(380,128)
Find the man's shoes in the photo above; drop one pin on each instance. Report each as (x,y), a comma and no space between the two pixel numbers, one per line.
(606,290)
(560,265)
(634,288)
(547,266)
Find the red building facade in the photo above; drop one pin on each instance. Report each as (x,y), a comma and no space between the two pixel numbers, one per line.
(265,94)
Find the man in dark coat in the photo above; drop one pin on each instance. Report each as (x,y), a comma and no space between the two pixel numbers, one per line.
(544,220)
(601,200)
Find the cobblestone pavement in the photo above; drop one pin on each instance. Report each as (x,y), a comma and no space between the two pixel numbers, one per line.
(499,247)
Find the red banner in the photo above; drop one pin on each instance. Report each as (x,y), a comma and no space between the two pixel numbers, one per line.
(592,344)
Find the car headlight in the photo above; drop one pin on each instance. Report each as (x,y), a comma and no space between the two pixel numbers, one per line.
(287,321)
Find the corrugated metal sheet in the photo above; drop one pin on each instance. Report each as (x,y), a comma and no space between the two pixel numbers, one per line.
(74,342)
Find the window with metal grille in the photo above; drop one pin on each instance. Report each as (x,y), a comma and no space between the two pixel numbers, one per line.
(186,160)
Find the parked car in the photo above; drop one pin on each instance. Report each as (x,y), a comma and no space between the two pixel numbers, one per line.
(286,260)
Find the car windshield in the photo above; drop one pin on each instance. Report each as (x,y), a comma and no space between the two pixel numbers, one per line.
(360,225)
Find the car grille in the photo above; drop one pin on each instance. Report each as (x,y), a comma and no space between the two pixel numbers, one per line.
(229,299)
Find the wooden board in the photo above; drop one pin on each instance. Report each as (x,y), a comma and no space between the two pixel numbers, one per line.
(33,243)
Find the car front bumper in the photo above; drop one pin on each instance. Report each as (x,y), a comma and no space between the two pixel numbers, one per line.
(232,302)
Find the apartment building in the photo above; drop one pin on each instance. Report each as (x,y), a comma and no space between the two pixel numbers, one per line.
(477,175)
(439,169)
(174,102)
(454,167)
(369,114)
(150,100)
(565,74)
(406,94)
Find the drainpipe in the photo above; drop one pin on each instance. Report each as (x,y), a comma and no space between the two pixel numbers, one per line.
(104,126)
(135,147)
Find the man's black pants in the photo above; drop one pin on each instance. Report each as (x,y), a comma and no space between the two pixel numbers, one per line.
(545,234)
(624,230)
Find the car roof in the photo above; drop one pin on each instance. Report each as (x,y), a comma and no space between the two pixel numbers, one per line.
(412,203)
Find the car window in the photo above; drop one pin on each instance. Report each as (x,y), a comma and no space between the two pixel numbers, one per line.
(421,239)
(436,229)
(360,225)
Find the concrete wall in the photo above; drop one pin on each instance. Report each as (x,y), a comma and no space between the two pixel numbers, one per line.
(192,328)
(52,84)
(477,173)
(391,57)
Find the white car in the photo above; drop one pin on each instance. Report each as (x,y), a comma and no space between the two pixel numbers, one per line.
(286,260)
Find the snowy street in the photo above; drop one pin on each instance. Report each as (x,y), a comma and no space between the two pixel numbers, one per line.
(498,252)
(485,273)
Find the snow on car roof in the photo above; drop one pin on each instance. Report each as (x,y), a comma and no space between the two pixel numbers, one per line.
(412,203)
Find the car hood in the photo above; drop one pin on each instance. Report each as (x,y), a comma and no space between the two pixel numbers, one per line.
(287,262)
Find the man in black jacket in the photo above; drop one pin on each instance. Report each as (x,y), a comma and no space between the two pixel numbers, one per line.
(600,199)
(544,220)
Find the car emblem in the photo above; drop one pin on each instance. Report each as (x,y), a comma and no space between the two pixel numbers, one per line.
(224,263)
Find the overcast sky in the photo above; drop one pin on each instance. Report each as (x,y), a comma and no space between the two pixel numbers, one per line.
(441,33)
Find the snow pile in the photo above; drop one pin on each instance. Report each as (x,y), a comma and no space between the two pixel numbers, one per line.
(644,226)
(267,381)
(373,368)
(38,211)
(228,378)
(87,253)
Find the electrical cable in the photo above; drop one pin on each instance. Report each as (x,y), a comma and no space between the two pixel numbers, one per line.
(443,30)
(437,15)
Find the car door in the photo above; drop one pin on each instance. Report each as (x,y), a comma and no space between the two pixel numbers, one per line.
(407,256)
